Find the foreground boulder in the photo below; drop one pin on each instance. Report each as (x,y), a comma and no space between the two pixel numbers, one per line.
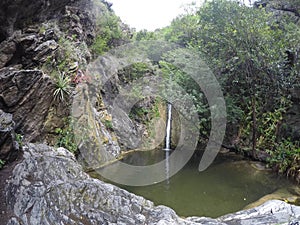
(50,187)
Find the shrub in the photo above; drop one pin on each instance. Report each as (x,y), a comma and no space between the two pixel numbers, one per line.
(286,157)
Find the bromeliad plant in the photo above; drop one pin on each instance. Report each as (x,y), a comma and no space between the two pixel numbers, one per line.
(63,87)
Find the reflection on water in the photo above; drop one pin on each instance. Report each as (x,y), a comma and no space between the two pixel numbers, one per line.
(226,186)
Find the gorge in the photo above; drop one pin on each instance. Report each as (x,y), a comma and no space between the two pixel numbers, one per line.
(80,92)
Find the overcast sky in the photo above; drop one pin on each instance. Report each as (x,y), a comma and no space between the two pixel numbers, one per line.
(148,14)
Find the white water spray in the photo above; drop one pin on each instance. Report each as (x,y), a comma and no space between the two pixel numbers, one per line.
(168,128)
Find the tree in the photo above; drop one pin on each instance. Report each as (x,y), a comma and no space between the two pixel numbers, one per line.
(246,48)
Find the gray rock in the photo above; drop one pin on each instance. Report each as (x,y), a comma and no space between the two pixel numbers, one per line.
(27,95)
(60,191)
(129,136)
(49,187)
(43,50)
(7,50)
(271,212)
(8,145)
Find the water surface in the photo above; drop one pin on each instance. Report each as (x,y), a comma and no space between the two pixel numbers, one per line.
(227,186)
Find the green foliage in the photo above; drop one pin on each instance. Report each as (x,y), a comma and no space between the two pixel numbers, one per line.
(183,30)
(66,54)
(60,66)
(108,31)
(100,45)
(268,123)
(135,71)
(234,112)
(2,163)
(108,124)
(155,109)
(245,47)
(145,35)
(19,139)
(62,87)
(191,89)
(66,137)
(146,110)
(286,157)
(255,57)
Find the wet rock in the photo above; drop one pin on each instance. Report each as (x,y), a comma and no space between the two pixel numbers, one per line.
(97,143)
(259,166)
(27,95)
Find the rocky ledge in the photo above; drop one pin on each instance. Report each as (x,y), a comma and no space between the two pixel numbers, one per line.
(49,187)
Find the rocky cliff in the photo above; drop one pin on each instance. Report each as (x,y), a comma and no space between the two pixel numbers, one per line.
(41,41)
(37,41)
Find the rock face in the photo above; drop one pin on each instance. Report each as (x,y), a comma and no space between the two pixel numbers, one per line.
(49,187)
(28,46)
(46,35)
(19,14)
(8,145)
(27,95)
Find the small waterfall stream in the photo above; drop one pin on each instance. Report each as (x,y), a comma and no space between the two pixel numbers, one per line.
(167,148)
(168,128)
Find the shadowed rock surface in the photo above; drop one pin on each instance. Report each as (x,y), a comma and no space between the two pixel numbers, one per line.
(8,146)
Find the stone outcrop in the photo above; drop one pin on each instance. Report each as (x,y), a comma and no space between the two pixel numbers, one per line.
(27,95)
(49,187)
(21,13)
(39,43)
(38,38)
(8,144)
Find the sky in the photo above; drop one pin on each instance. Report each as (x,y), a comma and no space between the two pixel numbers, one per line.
(148,14)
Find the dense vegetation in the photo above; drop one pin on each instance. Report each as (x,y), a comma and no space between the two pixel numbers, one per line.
(248,50)
(254,54)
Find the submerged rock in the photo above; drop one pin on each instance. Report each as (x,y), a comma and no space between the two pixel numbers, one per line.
(280,194)
(50,187)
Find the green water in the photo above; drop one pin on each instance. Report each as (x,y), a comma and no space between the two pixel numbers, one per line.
(228,185)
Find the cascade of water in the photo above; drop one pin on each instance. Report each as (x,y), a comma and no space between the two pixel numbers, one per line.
(168,128)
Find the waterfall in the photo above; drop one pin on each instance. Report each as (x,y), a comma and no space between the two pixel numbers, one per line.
(168,128)
(168,142)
